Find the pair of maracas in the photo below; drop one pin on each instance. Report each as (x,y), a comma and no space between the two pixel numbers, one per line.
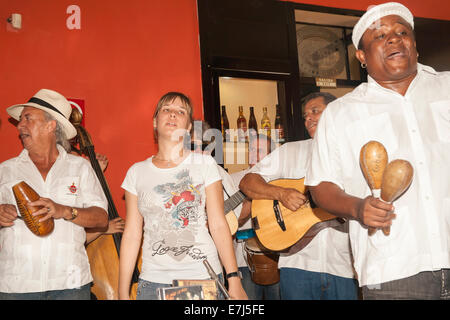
(387,180)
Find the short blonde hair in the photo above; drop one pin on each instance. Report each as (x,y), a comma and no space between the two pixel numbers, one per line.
(168,98)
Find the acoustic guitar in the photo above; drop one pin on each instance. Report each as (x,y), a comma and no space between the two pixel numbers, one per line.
(229,205)
(279,228)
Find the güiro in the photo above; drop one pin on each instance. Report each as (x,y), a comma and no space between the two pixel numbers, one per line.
(24,194)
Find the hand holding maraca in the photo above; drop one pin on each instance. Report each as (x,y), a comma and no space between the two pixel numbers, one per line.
(373,160)
(387,182)
(375,213)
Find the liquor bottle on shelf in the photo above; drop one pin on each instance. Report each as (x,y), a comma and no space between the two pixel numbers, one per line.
(265,123)
(252,124)
(242,125)
(279,129)
(225,125)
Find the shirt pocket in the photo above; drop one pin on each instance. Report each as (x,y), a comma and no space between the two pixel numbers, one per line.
(378,128)
(6,193)
(64,260)
(21,265)
(440,111)
(401,235)
(68,191)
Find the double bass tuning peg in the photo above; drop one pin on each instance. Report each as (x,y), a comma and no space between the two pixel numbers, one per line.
(83,138)
(76,117)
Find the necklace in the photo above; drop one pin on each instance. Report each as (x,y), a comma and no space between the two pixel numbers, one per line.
(163,160)
(177,160)
(168,163)
(163,163)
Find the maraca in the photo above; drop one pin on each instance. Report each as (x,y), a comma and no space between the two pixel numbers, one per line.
(396,179)
(24,194)
(373,160)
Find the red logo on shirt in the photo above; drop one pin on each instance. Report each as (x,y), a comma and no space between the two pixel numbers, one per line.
(73,188)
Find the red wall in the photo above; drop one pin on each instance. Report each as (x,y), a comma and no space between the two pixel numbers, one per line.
(126,55)
(435,9)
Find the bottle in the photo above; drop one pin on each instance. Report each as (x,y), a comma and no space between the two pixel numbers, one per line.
(225,125)
(279,126)
(252,124)
(265,123)
(242,125)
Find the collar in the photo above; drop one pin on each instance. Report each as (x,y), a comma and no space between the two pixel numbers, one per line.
(421,69)
(25,157)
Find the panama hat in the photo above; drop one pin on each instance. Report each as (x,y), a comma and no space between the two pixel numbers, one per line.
(51,102)
(377,12)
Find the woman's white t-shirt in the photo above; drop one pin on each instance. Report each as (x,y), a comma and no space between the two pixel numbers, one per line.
(172,203)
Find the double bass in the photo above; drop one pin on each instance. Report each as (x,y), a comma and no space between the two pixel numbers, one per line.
(104,251)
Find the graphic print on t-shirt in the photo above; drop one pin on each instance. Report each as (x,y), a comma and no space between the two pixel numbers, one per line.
(181,219)
(182,199)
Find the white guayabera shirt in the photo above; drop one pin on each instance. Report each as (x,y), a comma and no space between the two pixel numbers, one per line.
(29,263)
(329,251)
(414,127)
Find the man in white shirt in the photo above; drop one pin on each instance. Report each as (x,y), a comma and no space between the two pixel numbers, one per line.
(405,106)
(323,269)
(259,147)
(55,266)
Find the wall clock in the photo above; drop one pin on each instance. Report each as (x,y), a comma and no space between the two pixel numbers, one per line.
(321,52)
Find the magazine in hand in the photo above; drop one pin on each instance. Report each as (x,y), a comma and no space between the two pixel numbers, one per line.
(191,292)
(209,287)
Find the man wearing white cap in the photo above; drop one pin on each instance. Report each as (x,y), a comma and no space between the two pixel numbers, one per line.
(55,266)
(405,106)
(322,269)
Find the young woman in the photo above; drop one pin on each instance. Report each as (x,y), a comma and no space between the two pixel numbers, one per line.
(174,197)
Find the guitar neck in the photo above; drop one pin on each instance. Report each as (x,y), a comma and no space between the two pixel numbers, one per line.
(233,201)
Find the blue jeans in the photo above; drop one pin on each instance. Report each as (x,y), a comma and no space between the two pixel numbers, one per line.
(147,290)
(258,292)
(428,285)
(82,293)
(297,284)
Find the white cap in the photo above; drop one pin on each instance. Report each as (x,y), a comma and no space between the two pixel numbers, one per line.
(377,12)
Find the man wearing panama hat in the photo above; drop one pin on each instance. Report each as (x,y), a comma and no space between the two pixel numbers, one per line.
(406,106)
(55,266)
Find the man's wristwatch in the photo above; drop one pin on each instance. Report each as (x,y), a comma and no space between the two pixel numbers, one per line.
(234,274)
(74,214)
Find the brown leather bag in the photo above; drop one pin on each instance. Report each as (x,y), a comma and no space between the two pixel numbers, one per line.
(24,194)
